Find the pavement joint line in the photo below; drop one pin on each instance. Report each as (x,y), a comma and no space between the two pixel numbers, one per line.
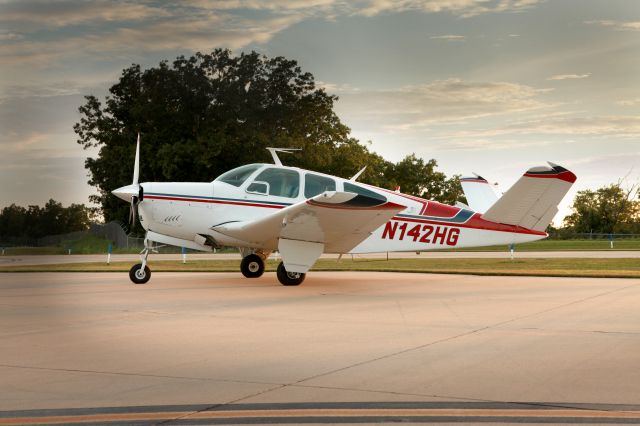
(468,333)
(631,333)
(159,376)
(217,406)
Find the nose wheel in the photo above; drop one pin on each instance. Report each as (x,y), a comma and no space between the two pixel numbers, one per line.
(289,278)
(252,266)
(140,272)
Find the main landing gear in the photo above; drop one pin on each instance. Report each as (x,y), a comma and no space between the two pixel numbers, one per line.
(289,278)
(140,272)
(252,266)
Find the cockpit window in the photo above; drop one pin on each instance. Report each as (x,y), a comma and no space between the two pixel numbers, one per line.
(316,184)
(237,176)
(282,182)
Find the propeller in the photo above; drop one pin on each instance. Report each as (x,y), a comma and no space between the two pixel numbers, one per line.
(135,199)
(133,193)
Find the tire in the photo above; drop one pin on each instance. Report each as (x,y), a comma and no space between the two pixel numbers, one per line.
(138,275)
(289,278)
(252,266)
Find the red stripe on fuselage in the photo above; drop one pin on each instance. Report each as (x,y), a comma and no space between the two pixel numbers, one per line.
(476,222)
(200,200)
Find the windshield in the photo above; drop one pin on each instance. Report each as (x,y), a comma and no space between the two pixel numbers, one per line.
(237,176)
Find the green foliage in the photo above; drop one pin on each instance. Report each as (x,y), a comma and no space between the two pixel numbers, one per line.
(29,223)
(610,209)
(88,244)
(203,115)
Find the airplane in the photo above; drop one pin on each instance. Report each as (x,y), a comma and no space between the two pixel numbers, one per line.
(262,208)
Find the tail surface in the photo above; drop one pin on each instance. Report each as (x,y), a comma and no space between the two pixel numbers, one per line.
(478,192)
(533,200)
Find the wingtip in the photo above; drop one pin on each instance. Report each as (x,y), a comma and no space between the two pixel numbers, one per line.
(553,171)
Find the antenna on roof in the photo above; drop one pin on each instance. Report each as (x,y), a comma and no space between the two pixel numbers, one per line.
(274,153)
(357,175)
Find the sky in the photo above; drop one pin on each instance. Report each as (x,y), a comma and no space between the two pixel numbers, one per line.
(486,86)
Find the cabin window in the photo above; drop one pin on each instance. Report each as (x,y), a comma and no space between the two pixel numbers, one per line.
(316,184)
(349,187)
(281,182)
(237,176)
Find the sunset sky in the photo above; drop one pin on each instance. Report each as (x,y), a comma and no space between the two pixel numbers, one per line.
(486,86)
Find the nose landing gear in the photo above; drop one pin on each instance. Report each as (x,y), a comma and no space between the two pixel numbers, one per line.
(140,272)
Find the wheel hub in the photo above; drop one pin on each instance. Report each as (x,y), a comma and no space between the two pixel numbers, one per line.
(140,274)
(254,267)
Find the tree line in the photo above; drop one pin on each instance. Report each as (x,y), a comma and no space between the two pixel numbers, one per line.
(611,209)
(26,224)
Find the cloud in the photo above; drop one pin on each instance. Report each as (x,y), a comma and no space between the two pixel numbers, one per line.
(263,5)
(486,144)
(42,13)
(617,25)
(627,127)
(442,101)
(465,8)
(569,76)
(8,36)
(39,31)
(629,102)
(192,33)
(449,37)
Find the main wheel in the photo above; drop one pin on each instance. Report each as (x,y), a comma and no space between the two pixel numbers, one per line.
(139,275)
(252,266)
(289,278)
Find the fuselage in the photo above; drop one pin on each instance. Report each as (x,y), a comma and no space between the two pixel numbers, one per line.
(188,211)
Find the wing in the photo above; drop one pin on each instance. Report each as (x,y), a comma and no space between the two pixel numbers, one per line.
(333,222)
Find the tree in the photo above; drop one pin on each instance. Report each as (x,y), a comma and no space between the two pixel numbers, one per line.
(27,224)
(203,115)
(610,209)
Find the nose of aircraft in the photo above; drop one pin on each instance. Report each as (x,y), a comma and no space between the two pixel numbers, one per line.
(126,192)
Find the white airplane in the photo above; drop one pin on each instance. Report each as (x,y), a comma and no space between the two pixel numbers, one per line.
(261,208)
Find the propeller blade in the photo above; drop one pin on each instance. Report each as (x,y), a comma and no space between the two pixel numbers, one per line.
(133,211)
(136,163)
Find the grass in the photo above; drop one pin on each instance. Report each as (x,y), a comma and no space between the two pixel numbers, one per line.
(572,267)
(95,245)
(567,245)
